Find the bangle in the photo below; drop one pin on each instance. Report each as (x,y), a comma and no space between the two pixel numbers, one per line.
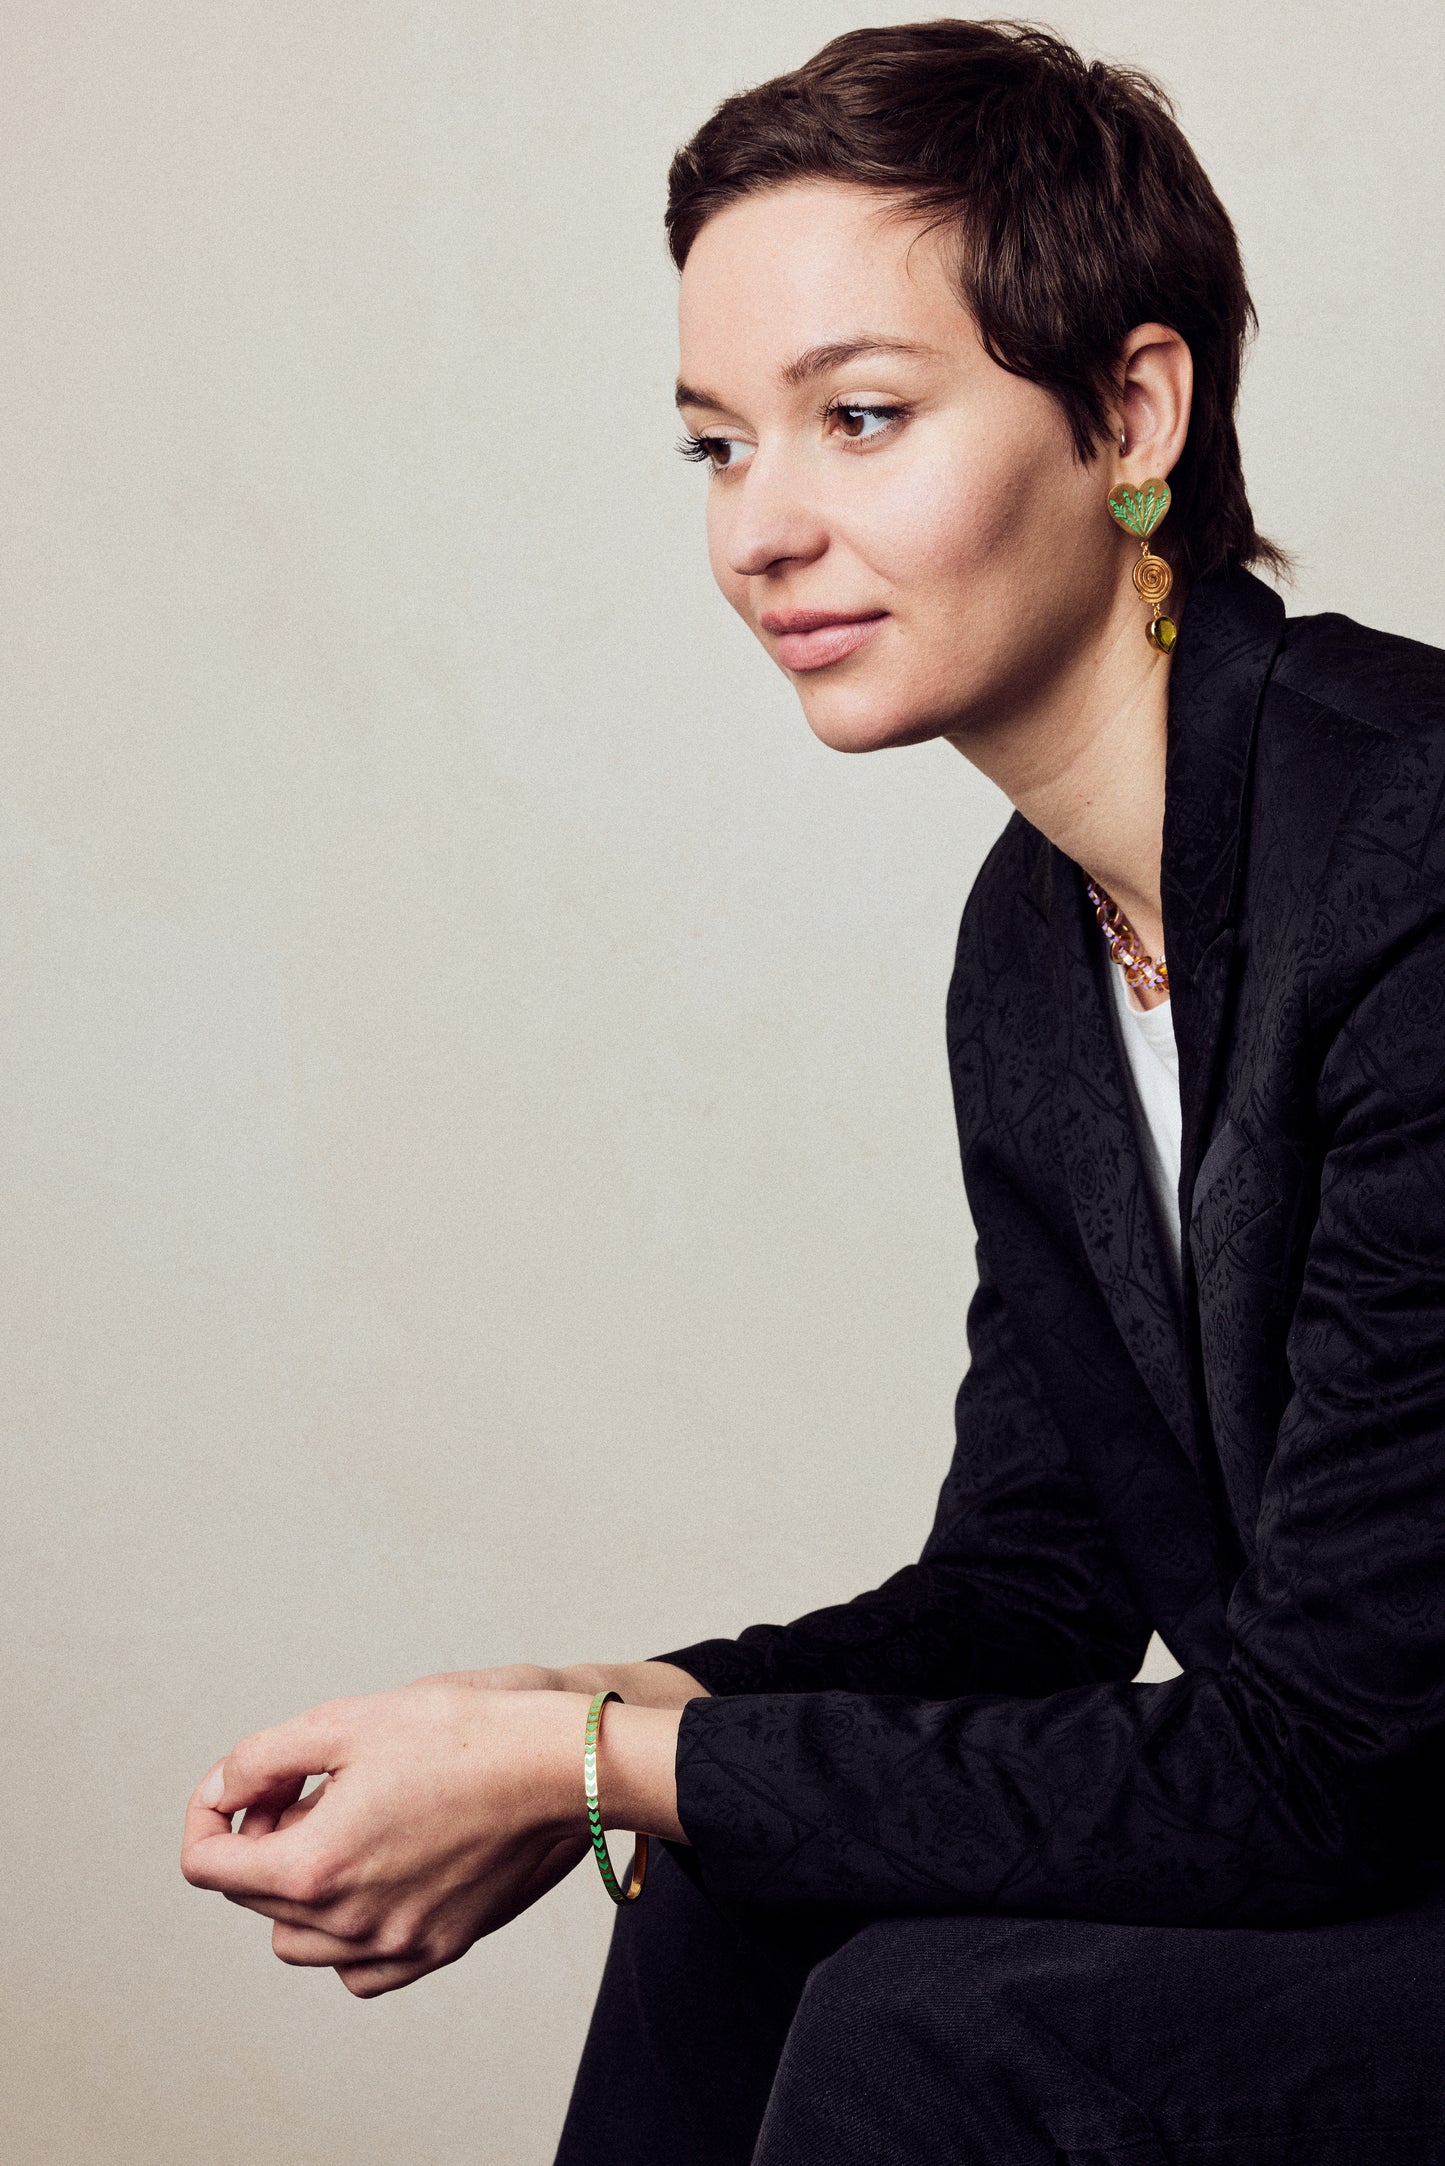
(638,1869)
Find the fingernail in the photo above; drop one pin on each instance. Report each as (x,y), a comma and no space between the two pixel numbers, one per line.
(214,1787)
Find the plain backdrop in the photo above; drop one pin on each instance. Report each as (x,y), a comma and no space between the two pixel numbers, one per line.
(476,1161)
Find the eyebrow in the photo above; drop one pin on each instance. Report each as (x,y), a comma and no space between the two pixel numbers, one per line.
(816,361)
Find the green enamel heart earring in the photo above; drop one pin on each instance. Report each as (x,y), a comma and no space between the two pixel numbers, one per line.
(1139,512)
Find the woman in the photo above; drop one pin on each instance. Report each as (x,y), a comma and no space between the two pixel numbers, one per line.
(938,1880)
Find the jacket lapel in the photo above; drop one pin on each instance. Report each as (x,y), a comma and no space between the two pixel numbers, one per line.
(1228,637)
(1112,1203)
(1235,625)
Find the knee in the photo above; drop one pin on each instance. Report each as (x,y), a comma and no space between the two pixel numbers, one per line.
(865,1986)
(902,1976)
(901,2047)
(876,2020)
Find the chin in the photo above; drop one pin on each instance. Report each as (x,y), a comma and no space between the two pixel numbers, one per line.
(850,723)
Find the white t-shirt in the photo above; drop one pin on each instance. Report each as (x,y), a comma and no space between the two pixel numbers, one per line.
(1148,1035)
(1153,1058)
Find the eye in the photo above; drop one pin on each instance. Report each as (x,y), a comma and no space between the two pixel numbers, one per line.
(862,424)
(718,452)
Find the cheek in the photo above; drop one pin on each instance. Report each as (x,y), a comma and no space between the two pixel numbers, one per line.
(940,529)
(967,549)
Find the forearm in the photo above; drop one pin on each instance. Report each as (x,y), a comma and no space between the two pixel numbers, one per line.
(1208,1799)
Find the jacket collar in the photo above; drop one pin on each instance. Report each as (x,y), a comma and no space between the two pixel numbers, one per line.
(1229,635)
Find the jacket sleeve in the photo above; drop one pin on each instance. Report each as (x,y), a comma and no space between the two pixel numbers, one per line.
(1017,1588)
(1264,1791)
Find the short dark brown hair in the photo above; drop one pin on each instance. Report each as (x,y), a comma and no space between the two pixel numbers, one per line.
(1079,207)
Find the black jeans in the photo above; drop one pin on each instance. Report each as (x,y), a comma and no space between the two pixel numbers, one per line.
(794,2037)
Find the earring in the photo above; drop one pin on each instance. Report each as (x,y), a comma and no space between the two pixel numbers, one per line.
(1139,512)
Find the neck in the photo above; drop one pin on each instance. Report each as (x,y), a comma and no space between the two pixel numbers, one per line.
(1082,758)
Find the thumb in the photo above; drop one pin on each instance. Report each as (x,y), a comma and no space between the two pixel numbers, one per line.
(274,1764)
(269,1770)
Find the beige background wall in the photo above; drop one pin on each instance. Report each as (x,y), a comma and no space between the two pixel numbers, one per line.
(463,1046)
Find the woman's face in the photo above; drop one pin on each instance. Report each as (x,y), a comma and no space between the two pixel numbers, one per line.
(903,524)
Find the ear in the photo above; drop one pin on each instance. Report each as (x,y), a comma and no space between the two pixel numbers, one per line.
(1156,388)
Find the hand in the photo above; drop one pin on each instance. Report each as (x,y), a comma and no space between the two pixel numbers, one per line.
(446,1811)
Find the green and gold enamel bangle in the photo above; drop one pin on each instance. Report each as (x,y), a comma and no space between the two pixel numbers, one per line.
(638,1870)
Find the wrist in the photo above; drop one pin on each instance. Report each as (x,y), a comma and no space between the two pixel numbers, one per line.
(642,1684)
(636,1769)
(587,1677)
(636,1766)
(560,1726)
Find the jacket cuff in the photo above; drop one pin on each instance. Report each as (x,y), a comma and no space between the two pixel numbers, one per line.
(737,1798)
(721,1665)
(848,1799)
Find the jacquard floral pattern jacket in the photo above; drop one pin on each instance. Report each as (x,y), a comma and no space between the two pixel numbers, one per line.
(1258,1472)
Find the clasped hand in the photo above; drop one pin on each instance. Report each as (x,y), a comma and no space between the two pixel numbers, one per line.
(447,1807)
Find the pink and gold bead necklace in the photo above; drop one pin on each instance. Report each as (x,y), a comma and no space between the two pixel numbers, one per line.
(1140,968)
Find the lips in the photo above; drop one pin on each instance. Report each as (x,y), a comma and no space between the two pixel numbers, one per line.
(814,638)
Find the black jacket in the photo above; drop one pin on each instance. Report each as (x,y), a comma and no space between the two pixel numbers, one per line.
(1261,1478)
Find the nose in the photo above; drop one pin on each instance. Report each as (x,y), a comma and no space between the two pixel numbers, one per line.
(768,520)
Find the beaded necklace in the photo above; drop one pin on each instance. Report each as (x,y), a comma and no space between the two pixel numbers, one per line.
(1138,965)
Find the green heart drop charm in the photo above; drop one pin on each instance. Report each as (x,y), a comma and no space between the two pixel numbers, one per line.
(1141,509)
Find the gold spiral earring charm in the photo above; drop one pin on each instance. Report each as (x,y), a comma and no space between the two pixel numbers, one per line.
(1152,577)
(1139,512)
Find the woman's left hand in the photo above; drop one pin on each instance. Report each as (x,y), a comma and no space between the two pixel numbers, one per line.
(446,1811)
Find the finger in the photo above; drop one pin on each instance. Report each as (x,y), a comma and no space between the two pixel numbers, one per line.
(268,1769)
(287,1866)
(265,1818)
(258,1820)
(297,1812)
(202,1819)
(366,1980)
(313,1948)
(307,1917)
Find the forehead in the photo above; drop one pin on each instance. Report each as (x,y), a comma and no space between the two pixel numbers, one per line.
(800,265)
